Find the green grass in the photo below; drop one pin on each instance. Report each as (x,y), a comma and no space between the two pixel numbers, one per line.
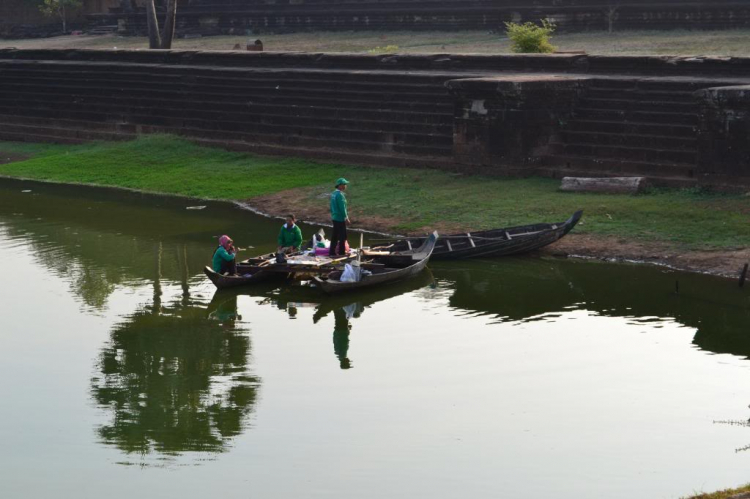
(411,198)
(722,494)
(166,165)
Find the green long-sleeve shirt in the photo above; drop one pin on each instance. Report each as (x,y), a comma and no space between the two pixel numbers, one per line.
(221,255)
(290,237)
(338,206)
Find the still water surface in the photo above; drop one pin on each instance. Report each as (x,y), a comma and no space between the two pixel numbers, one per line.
(124,373)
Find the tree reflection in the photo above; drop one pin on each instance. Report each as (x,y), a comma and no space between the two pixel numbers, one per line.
(174,382)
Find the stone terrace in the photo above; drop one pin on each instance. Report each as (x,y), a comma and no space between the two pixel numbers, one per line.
(235,16)
(507,115)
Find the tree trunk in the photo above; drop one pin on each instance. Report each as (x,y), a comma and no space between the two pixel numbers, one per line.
(63,18)
(154,40)
(169,24)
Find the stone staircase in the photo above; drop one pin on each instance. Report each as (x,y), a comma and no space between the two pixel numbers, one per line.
(353,115)
(630,127)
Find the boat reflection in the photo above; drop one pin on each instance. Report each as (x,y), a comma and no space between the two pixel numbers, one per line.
(343,307)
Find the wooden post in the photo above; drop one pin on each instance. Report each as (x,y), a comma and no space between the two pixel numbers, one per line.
(743,275)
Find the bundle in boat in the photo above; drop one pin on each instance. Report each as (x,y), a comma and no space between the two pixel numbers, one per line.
(381,269)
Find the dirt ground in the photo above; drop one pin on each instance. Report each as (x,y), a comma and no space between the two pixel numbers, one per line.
(10,157)
(726,263)
(674,42)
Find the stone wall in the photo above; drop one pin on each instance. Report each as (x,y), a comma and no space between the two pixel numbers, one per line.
(724,133)
(551,115)
(238,16)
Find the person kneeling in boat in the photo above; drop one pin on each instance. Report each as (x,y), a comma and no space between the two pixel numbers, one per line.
(290,236)
(224,257)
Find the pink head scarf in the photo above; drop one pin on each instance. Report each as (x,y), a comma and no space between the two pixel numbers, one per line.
(225,241)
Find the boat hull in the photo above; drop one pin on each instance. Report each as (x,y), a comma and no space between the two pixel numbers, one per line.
(496,242)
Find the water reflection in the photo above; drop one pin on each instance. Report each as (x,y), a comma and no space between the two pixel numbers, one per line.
(175,379)
(527,289)
(174,375)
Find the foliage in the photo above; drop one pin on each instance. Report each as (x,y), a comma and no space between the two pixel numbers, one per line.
(410,198)
(61,9)
(388,49)
(528,38)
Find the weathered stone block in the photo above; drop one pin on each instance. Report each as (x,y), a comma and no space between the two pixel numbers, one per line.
(508,120)
(724,133)
(608,185)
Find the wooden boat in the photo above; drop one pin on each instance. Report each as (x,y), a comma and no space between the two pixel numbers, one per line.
(264,268)
(245,275)
(383,268)
(489,243)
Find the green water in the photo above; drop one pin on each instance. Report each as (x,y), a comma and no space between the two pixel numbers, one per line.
(124,373)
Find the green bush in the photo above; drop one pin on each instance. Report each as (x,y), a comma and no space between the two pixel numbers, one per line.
(388,49)
(528,38)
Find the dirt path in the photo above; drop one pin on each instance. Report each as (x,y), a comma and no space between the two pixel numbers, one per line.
(727,263)
(10,157)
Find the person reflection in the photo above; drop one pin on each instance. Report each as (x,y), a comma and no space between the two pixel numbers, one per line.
(341,331)
(223,309)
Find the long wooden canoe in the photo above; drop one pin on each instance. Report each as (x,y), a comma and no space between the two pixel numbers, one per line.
(383,269)
(489,243)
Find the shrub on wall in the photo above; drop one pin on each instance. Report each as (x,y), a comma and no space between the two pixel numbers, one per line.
(528,38)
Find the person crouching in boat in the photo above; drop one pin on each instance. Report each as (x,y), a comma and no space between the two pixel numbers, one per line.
(224,257)
(340,218)
(290,236)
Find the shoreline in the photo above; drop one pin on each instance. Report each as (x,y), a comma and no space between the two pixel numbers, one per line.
(720,263)
(683,230)
(726,263)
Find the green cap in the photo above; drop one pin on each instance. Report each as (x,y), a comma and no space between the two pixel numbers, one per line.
(341,181)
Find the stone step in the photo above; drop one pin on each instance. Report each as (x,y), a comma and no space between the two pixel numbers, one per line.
(641,95)
(641,154)
(656,84)
(289,115)
(286,100)
(642,116)
(632,127)
(429,92)
(630,140)
(322,138)
(245,121)
(24,133)
(124,70)
(384,96)
(334,118)
(638,105)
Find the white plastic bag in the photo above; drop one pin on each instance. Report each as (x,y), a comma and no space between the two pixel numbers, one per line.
(349,275)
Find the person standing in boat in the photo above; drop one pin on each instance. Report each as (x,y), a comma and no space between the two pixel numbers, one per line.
(224,256)
(340,218)
(290,236)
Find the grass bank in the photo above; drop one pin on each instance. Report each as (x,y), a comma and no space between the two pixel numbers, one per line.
(670,42)
(723,494)
(394,200)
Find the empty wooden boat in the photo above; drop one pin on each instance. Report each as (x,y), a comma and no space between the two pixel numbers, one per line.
(488,243)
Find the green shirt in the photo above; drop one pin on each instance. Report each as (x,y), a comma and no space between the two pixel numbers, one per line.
(338,207)
(290,237)
(221,255)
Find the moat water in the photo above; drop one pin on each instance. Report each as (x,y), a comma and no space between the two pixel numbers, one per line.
(123,373)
